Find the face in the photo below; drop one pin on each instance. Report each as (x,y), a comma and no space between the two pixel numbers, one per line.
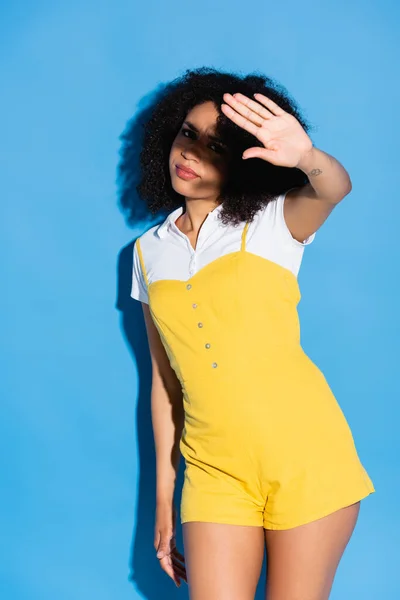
(197,149)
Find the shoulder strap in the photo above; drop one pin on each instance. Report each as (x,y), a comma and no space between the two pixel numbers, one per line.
(244,233)
(140,254)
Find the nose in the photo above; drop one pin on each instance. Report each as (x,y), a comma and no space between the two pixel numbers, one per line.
(190,153)
(192,149)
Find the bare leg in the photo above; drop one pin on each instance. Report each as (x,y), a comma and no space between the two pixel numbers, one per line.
(302,561)
(223,562)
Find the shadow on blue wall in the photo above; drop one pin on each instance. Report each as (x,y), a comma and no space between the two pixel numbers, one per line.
(146,574)
(149,579)
(128,171)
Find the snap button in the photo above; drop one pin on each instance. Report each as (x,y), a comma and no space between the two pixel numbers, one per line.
(208,346)
(188,286)
(214,365)
(194,305)
(200,324)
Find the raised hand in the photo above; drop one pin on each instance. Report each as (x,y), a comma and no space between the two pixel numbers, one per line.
(284,139)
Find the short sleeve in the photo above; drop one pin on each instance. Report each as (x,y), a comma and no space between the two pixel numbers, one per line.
(139,287)
(281,223)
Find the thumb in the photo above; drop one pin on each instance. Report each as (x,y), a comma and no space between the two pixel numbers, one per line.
(257,152)
(164,545)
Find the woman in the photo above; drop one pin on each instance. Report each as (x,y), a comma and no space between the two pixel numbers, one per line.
(270,459)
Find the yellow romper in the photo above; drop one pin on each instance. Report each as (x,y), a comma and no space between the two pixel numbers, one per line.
(264,441)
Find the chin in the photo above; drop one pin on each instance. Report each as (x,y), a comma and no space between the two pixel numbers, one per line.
(180,184)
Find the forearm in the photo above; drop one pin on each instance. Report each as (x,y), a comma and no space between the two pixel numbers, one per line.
(326,174)
(167,420)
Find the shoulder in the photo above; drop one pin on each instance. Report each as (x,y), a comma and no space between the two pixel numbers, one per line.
(144,249)
(149,238)
(147,245)
(270,236)
(271,219)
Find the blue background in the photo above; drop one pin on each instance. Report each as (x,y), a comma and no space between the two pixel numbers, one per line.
(77,472)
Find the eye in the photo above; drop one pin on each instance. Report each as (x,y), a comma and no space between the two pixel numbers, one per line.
(218,148)
(185,131)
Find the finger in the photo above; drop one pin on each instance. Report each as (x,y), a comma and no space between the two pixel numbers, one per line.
(181,573)
(167,566)
(174,576)
(270,104)
(178,563)
(156,539)
(179,566)
(175,552)
(256,107)
(175,572)
(262,153)
(179,555)
(247,108)
(240,120)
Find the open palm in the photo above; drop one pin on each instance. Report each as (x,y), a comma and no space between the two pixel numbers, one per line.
(284,139)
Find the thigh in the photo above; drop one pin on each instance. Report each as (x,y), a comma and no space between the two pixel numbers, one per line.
(302,561)
(223,562)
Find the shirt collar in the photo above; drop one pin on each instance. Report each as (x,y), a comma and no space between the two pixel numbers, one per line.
(164,227)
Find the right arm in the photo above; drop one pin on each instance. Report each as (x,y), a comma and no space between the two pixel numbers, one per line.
(166,413)
(167,416)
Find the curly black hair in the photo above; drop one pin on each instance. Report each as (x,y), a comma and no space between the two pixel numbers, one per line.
(250,184)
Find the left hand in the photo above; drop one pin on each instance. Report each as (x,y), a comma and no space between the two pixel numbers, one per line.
(285,142)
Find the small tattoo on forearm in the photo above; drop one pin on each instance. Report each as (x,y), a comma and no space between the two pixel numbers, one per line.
(315,172)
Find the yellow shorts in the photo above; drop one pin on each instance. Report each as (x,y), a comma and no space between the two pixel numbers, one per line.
(275,494)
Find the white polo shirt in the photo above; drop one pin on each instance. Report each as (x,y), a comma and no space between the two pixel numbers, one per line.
(168,253)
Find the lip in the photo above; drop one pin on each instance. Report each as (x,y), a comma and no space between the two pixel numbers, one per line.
(185,172)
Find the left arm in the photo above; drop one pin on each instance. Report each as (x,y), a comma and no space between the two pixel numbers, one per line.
(287,144)
(306,208)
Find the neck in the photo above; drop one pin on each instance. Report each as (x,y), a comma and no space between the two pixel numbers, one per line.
(195,214)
